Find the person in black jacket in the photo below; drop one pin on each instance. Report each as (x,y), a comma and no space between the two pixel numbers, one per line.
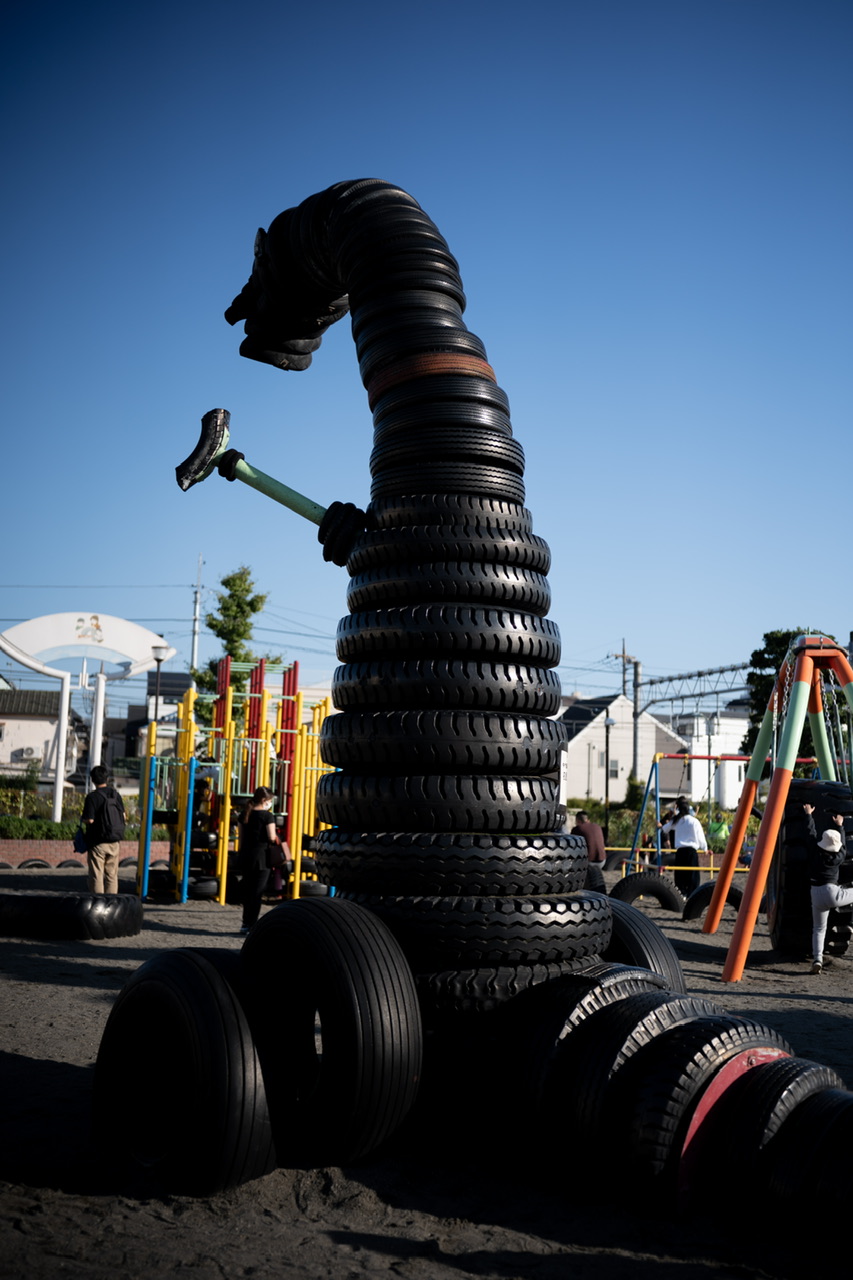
(257,834)
(104,828)
(825,859)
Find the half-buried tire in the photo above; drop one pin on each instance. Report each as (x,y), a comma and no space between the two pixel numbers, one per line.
(65,916)
(336,1019)
(178,1022)
(648,884)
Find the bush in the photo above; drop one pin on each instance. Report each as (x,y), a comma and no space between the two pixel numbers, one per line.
(36,829)
(12,828)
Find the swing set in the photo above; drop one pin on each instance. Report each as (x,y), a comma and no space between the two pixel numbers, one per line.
(805,686)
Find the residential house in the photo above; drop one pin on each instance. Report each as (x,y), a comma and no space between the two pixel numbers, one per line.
(591,741)
(28,720)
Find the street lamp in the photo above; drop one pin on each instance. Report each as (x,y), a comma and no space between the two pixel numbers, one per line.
(160,653)
(608,725)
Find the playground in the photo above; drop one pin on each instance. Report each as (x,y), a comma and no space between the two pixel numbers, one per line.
(392,1215)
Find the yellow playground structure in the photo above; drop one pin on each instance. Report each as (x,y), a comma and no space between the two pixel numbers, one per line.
(256,738)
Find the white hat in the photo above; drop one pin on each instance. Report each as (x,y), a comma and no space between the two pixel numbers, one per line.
(831,841)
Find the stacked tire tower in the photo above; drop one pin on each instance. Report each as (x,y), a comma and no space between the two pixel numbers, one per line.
(444,805)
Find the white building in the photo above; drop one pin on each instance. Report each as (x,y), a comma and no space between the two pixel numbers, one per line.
(28,737)
(591,740)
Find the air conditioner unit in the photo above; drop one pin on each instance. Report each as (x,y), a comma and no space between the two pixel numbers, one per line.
(28,752)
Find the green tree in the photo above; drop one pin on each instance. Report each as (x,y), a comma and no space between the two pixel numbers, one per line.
(232,623)
(765,664)
(634,792)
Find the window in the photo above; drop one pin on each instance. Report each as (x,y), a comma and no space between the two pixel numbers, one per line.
(614,764)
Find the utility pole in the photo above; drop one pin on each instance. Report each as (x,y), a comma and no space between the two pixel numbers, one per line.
(635,760)
(196,615)
(626,658)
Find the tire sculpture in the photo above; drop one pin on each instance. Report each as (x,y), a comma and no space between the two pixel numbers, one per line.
(461,905)
(447,682)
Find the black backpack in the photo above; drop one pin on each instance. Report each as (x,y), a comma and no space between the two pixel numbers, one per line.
(111,817)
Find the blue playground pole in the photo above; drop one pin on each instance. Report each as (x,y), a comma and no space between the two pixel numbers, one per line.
(188,826)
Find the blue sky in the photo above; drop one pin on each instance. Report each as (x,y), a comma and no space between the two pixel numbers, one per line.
(650,202)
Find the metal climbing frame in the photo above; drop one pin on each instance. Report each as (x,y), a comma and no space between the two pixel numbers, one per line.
(281,753)
(796,694)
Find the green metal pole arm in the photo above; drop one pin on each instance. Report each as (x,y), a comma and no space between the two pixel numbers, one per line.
(278,492)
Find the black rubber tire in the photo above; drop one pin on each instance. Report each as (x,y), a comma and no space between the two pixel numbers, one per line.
(653,1098)
(313,889)
(449,477)
(75,862)
(69,915)
(588,1060)
(419,340)
(502,586)
(445,684)
(480,446)
(700,899)
(449,630)
(442,742)
(637,940)
(34,864)
(838,932)
(648,884)
(438,802)
(750,1116)
(446,508)
(424,396)
(454,994)
(490,932)
(450,864)
(595,877)
(788,897)
(534,1026)
(179,1021)
(421,419)
(203,888)
(806,1166)
(453,544)
(341,965)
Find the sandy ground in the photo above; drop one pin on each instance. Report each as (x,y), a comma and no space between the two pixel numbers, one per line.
(411,1213)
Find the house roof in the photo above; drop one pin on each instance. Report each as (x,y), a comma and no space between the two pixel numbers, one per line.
(583,711)
(43,703)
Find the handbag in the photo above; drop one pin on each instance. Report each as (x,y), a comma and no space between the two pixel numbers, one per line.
(275,857)
(79,841)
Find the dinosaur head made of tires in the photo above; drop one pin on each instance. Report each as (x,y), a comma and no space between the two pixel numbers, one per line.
(445,752)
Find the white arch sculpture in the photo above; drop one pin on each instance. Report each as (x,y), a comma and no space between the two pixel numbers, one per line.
(81,635)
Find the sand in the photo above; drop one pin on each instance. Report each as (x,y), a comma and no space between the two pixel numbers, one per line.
(414,1213)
